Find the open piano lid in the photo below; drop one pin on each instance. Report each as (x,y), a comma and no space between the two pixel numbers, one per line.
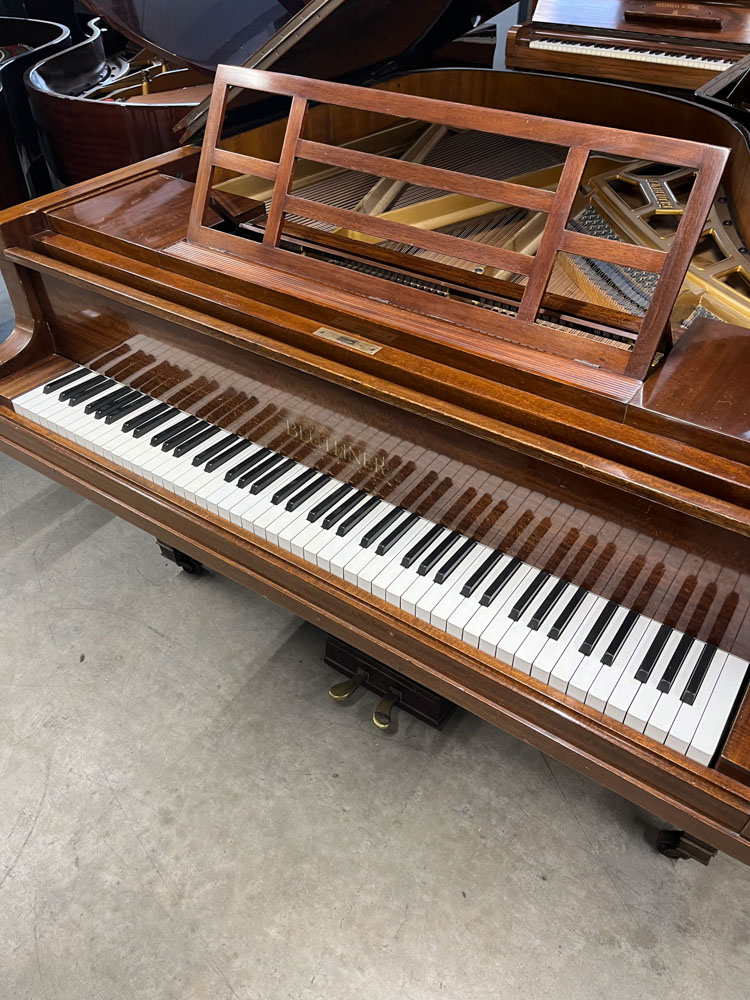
(327,38)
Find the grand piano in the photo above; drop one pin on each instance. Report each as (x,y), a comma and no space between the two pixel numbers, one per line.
(392,359)
(680,46)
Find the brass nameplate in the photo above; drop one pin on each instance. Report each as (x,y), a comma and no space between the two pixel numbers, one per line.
(338,337)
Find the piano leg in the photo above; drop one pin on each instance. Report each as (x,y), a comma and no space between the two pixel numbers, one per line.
(676,844)
(184,561)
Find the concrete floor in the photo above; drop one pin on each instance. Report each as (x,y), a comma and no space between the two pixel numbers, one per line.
(185,814)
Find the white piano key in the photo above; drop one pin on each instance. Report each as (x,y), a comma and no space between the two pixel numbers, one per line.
(490,621)
(330,552)
(436,603)
(549,655)
(590,666)
(387,565)
(467,607)
(450,596)
(536,639)
(665,712)
(705,742)
(513,637)
(342,559)
(570,658)
(686,721)
(627,686)
(647,698)
(609,676)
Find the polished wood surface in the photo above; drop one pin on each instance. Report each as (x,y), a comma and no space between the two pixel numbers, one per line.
(87,133)
(95,279)
(719,31)
(580,141)
(729,92)
(23,173)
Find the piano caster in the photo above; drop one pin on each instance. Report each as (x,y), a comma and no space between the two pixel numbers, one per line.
(345,689)
(676,844)
(381,714)
(184,561)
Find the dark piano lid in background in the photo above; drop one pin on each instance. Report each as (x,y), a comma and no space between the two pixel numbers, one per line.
(357,35)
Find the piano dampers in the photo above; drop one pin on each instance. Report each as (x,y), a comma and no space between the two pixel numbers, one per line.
(524,317)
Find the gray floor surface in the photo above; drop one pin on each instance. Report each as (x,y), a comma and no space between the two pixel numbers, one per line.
(185,814)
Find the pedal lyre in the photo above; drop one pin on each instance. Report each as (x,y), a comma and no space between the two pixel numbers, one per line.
(381,715)
(345,689)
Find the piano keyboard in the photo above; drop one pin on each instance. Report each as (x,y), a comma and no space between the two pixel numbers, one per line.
(678,60)
(676,689)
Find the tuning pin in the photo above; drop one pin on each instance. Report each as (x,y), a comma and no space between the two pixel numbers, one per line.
(381,715)
(345,689)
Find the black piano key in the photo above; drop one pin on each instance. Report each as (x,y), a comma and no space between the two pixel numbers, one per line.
(698,675)
(144,417)
(93,390)
(215,449)
(563,619)
(330,501)
(626,627)
(119,404)
(653,653)
(481,573)
(271,477)
(104,403)
(80,387)
(398,532)
(528,595)
(180,436)
(65,380)
(156,421)
(348,505)
(506,573)
(595,632)
(676,661)
(243,467)
(169,432)
(361,512)
(545,608)
(309,491)
(454,561)
(260,469)
(129,407)
(297,483)
(422,544)
(434,557)
(382,525)
(226,456)
(195,441)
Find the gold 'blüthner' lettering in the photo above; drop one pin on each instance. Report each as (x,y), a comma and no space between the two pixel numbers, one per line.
(321,439)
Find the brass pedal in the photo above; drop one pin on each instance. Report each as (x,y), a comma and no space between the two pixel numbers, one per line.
(345,689)
(381,715)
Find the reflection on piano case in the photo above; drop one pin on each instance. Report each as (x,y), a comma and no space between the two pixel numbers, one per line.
(379,363)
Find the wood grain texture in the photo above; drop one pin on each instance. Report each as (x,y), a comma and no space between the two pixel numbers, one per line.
(521,329)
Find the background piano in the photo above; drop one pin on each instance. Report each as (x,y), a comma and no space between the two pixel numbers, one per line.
(664,44)
(101,105)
